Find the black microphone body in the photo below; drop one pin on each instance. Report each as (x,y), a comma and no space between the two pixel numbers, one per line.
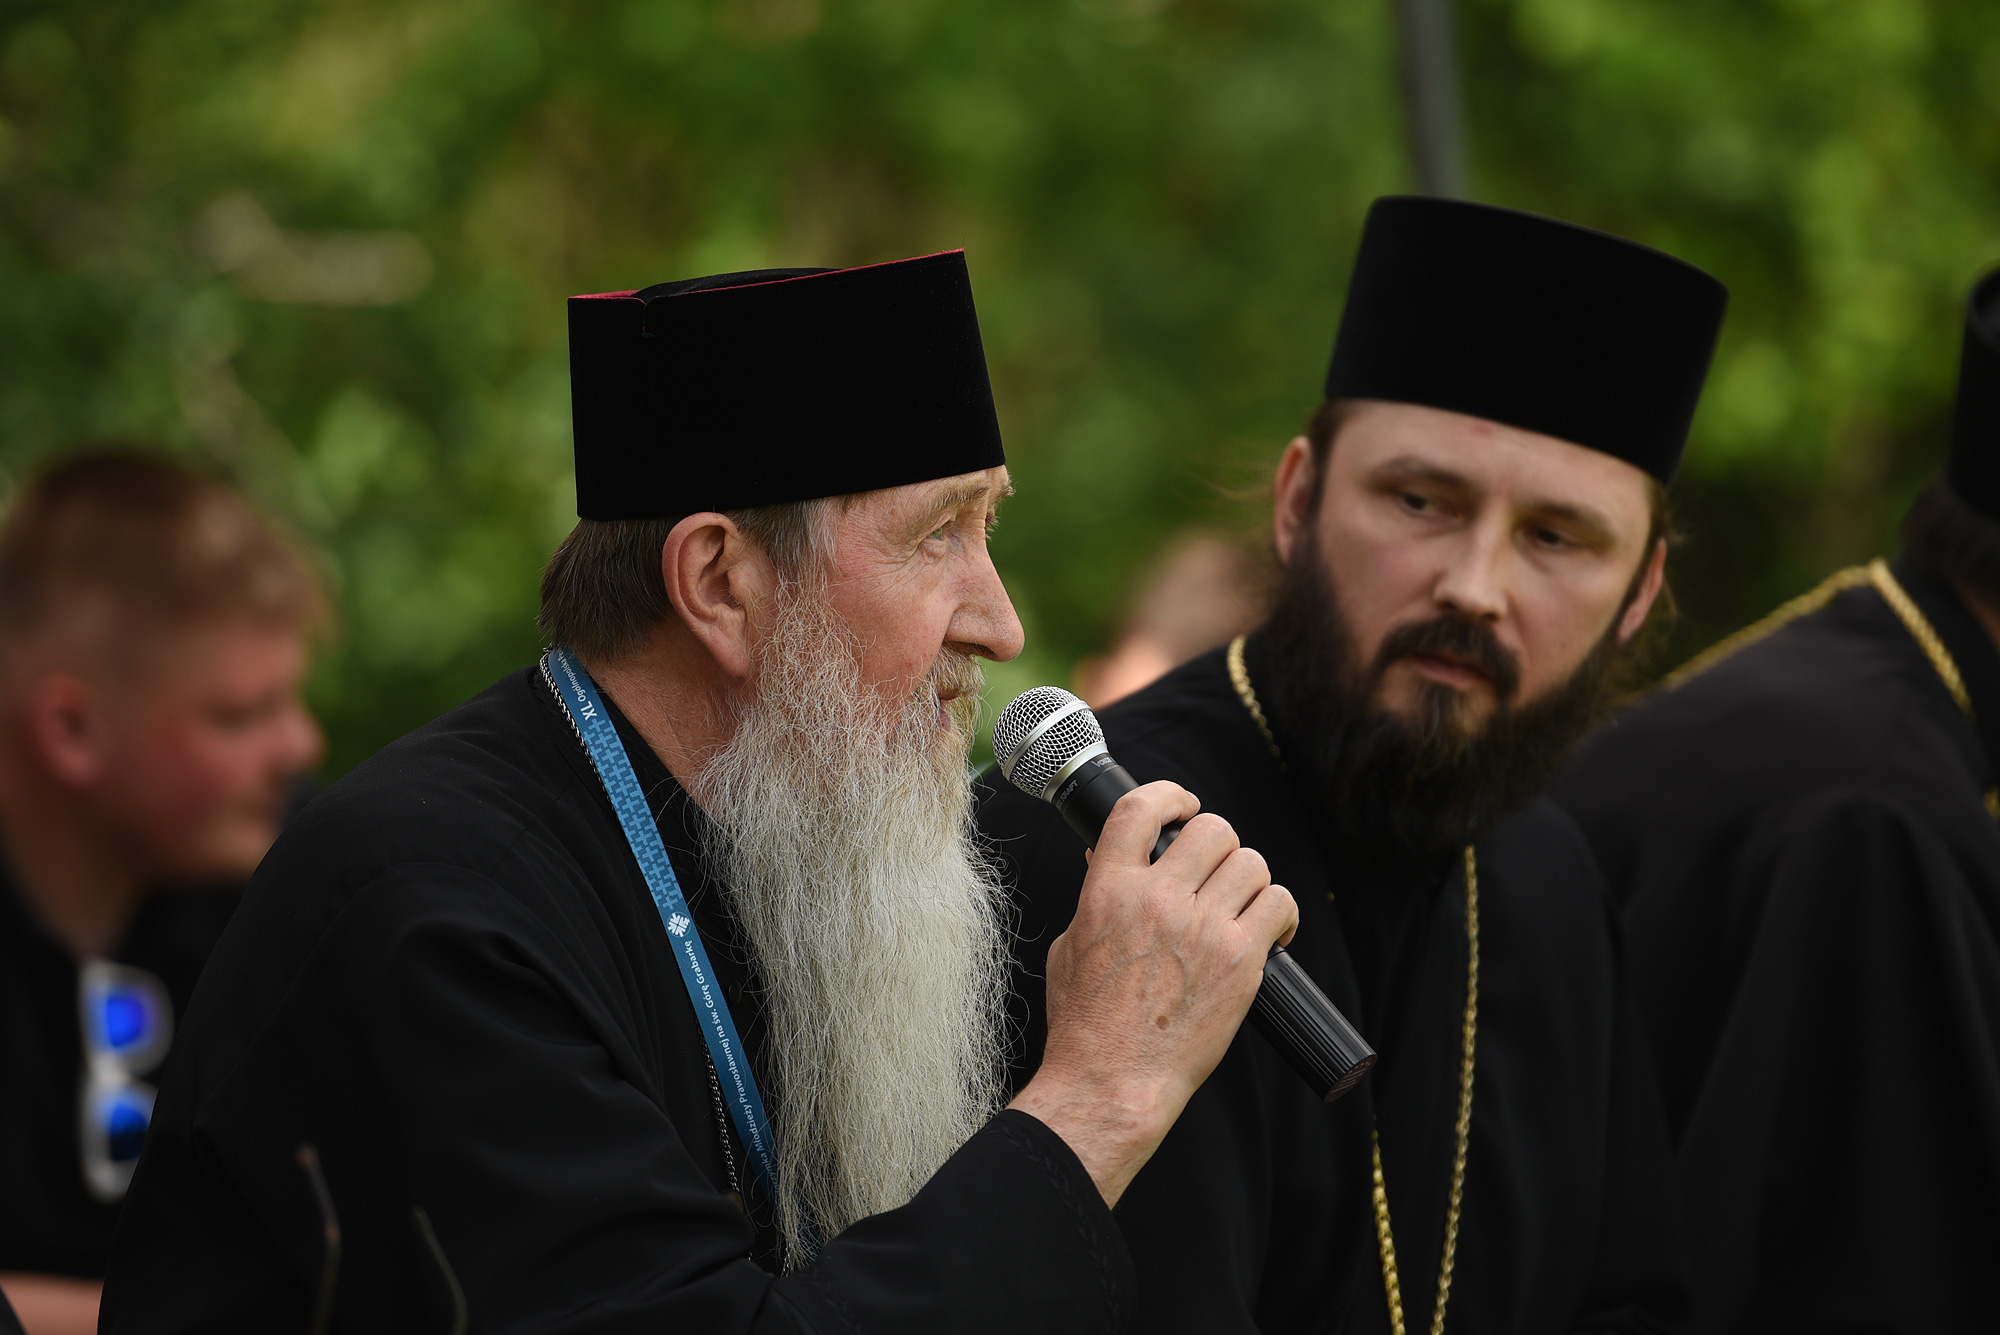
(1290,1011)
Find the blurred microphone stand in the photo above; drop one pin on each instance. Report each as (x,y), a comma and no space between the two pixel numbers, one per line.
(329,1276)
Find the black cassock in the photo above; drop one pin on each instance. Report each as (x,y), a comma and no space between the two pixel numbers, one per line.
(449,977)
(1810,883)
(1256,1214)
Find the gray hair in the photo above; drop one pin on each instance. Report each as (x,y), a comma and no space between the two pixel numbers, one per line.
(603,593)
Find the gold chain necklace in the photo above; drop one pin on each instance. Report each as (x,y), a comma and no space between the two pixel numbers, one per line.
(1392,1285)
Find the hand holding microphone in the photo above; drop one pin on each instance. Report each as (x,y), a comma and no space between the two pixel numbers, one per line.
(1150,981)
(1050,746)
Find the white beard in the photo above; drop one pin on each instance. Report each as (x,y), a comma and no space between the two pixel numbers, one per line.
(847,849)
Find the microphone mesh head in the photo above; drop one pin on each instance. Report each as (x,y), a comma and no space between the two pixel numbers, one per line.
(1032,770)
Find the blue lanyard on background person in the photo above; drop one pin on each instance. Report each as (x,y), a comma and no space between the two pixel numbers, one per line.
(718,1028)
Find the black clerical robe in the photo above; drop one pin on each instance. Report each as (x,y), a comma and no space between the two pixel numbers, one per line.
(450,979)
(1256,1213)
(1810,882)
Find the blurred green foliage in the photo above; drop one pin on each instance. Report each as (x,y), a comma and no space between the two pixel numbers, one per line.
(325,246)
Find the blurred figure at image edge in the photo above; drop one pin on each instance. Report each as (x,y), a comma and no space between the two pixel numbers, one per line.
(154,631)
(1201,590)
(1799,828)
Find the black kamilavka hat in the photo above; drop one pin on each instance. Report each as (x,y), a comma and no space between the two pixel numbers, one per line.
(1540,324)
(1974,467)
(777,385)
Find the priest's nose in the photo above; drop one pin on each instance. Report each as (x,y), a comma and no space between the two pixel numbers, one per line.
(1473,585)
(985,624)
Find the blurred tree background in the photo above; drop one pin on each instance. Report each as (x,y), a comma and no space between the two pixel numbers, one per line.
(325,244)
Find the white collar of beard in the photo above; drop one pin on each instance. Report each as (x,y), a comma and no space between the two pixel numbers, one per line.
(846,846)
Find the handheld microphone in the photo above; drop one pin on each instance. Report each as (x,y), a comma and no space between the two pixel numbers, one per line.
(1050,746)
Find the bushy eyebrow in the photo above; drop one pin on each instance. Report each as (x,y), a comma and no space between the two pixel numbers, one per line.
(1594,524)
(1407,468)
(961,494)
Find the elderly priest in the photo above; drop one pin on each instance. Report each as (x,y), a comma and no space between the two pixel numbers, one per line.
(1471,530)
(658,988)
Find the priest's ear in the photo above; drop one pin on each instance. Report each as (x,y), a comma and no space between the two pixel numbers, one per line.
(1646,588)
(1297,500)
(717,576)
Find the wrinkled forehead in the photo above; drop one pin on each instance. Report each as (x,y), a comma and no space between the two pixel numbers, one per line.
(915,501)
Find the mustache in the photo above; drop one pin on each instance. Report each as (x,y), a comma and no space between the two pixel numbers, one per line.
(1455,638)
(1420,787)
(954,673)
(958,675)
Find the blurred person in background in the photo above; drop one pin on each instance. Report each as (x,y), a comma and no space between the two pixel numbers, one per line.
(154,631)
(1204,590)
(494,976)
(1472,532)
(1799,827)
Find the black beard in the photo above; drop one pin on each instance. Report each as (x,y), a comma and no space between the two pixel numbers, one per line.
(1423,788)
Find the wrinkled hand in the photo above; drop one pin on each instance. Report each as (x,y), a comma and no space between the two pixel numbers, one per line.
(1151,981)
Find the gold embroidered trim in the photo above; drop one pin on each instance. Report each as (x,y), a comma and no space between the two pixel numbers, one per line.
(1877,574)
(1925,634)
(1921,631)
(1804,605)
(1385,1238)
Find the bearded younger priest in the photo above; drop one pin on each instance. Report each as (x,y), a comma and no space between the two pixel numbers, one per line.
(1471,531)
(658,988)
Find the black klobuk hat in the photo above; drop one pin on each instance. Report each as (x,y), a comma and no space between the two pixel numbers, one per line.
(1520,319)
(1974,467)
(777,385)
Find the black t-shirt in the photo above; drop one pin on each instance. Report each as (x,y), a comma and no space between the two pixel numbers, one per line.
(50,1221)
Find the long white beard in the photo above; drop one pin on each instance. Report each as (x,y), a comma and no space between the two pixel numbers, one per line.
(847,848)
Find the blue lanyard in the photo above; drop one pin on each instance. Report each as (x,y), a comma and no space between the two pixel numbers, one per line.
(614,767)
